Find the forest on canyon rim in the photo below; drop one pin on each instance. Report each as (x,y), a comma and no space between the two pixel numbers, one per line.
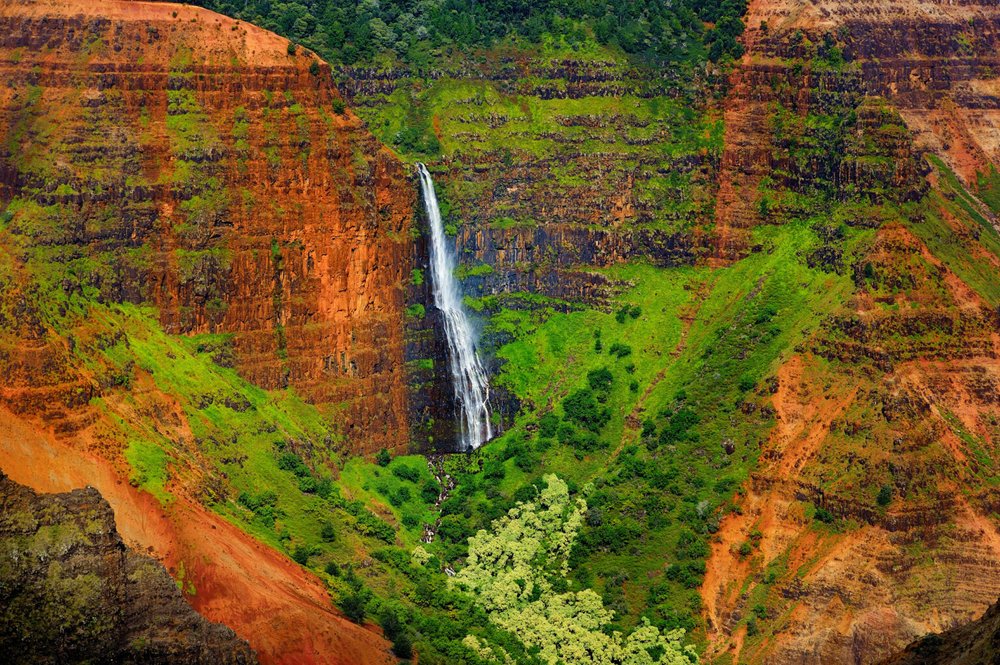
(734,270)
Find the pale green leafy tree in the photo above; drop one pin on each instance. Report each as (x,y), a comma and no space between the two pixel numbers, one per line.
(420,556)
(508,572)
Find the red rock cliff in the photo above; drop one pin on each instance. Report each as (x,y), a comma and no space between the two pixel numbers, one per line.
(208,172)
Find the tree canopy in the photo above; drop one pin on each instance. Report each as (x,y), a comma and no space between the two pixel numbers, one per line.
(511,569)
(351,31)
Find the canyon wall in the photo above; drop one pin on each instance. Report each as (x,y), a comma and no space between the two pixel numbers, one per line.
(173,157)
(885,416)
(179,186)
(936,61)
(552,165)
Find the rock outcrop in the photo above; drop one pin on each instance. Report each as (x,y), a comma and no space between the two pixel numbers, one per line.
(71,591)
(976,643)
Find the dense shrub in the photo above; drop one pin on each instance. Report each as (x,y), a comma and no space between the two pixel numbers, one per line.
(256,501)
(411,521)
(824,515)
(583,441)
(548,425)
(292,462)
(583,409)
(620,350)
(398,496)
(402,646)
(600,381)
(369,524)
(392,627)
(263,505)
(405,472)
(455,529)
(678,426)
(430,491)
(691,546)
(354,605)
(613,534)
(525,461)
(494,469)
(689,573)
(301,554)
(635,312)
(324,487)
(327,532)
(884,497)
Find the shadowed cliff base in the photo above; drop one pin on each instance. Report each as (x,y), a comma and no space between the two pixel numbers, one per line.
(282,610)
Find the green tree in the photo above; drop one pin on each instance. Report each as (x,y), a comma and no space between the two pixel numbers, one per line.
(402,646)
(354,605)
(884,497)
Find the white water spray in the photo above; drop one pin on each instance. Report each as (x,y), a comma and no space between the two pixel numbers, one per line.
(472,390)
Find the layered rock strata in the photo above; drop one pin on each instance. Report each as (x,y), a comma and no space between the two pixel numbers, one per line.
(199,164)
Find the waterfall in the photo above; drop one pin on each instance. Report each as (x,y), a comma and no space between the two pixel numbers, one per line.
(472,390)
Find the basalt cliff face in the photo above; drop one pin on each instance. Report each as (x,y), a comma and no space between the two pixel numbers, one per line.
(553,166)
(73,592)
(171,156)
(935,61)
(886,415)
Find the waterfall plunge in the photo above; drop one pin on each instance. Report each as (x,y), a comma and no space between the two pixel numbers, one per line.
(472,390)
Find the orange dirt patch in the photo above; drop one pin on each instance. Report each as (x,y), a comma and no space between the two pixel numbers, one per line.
(284,612)
(804,417)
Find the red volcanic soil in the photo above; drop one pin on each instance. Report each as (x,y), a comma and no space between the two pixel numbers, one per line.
(284,612)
